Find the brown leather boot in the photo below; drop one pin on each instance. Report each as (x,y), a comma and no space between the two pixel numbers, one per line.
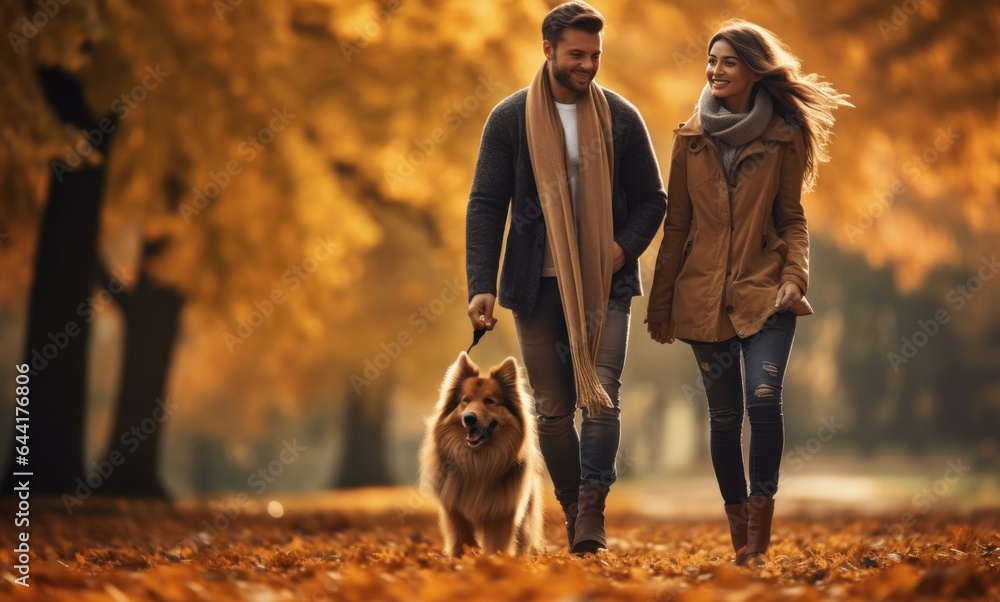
(590,535)
(570,510)
(738,516)
(761,511)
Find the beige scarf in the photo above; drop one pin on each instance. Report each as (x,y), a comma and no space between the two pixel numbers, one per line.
(581,245)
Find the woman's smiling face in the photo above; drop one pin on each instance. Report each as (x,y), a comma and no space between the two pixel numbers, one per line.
(730,79)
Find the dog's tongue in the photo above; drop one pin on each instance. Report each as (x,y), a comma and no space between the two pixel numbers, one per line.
(474,435)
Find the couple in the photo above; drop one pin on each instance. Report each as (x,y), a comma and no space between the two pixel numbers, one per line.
(575,164)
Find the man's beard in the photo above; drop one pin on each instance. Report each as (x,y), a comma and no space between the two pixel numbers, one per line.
(565,78)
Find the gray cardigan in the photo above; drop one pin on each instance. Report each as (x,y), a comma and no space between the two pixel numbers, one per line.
(504,174)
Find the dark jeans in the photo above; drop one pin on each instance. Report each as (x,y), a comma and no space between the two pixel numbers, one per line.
(574,460)
(758,381)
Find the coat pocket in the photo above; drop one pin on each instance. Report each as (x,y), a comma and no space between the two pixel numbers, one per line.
(682,266)
(771,245)
(687,247)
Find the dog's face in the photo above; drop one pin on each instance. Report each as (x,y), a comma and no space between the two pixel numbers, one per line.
(481,408)
(485,408)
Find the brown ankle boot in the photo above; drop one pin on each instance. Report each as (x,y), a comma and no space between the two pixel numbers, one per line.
(761,510)
(738,515)
(590,535)
(570,510)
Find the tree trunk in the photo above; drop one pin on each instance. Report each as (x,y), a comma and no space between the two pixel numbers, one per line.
(59,313)
(365,462)
(152,314)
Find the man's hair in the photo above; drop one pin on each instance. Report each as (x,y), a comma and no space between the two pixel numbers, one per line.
(571,15)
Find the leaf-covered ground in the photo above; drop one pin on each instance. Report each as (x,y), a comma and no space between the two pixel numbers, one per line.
(384,545)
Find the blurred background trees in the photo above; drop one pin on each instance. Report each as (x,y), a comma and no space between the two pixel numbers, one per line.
(286,190)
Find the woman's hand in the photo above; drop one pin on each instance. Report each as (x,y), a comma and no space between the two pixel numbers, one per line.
(788,295)
(658,332)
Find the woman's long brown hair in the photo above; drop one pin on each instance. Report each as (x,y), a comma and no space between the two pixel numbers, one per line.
(802,98)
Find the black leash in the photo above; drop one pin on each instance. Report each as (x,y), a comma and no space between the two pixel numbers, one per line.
(476,336)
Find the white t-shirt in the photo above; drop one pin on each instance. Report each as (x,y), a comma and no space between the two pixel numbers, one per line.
(567,114)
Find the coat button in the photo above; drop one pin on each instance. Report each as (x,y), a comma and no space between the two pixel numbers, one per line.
(729,272)
(693,146)
(730,309)
(792,150)
(741,332)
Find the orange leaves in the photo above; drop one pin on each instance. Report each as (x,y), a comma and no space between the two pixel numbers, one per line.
(353,546)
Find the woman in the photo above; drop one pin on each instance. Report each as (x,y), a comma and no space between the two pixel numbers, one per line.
(733,267)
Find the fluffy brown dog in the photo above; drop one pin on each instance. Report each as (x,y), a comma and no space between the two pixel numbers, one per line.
(480,459)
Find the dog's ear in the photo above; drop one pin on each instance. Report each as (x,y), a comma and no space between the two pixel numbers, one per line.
(506,374)
(464,367)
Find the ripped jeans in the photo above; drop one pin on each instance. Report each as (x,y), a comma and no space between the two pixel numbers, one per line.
(574,460)
(758,381)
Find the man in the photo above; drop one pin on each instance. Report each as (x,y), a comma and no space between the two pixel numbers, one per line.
(575,163)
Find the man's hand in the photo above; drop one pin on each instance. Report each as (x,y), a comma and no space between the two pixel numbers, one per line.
(481,311)
(788,295)
(658,332)
(619,258)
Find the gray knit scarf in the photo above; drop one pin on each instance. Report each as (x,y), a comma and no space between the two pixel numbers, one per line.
(733,131)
